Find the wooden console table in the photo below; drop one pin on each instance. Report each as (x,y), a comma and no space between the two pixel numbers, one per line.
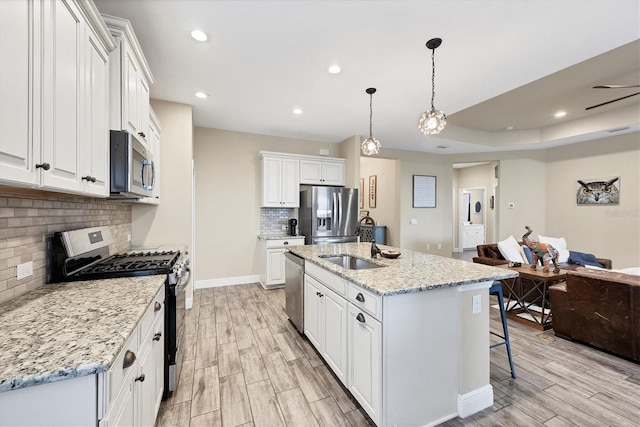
(526,296)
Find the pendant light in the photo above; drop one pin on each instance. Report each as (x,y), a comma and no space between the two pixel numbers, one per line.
(433,121)
(371,145)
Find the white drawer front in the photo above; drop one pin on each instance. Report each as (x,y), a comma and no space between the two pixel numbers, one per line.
(366,300)
(153,311)
(283,243)
(330,280)
(118,374)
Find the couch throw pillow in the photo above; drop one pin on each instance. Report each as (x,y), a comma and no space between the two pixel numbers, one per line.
(559,243)
(511,250)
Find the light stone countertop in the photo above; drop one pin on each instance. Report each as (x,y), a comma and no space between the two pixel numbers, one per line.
(277,236)
(411,272)
(67,330)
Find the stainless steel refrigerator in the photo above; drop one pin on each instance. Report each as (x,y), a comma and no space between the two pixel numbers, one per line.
(328,214)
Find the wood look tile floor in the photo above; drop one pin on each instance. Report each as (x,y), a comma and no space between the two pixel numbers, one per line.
(243,364)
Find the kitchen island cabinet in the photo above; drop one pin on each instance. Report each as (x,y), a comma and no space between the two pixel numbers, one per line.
(83,355)
(417,352)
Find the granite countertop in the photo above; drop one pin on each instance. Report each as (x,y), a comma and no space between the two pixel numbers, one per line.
(411,272)
(276,236)
(67,330)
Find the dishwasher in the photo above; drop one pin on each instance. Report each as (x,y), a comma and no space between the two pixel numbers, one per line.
(294,290)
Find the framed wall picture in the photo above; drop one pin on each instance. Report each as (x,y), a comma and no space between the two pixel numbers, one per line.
(361,193)
(424,191)
(373,189)
(598,191)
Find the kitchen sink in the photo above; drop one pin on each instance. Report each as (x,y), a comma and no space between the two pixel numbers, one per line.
(350,262)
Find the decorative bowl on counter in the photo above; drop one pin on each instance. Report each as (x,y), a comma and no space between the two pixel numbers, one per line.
(386,253)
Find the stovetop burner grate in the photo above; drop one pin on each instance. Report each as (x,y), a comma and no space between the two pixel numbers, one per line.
(131,264)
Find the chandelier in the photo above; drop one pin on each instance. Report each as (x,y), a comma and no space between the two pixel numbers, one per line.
(433,121)
(371,145)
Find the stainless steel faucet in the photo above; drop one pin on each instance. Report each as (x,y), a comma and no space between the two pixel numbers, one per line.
(375,250)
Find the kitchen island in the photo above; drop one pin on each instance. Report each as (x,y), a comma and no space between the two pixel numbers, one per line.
(408,338)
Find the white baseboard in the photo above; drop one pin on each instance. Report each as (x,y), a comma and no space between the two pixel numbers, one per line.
(226,281)
(188,303)
(475,401)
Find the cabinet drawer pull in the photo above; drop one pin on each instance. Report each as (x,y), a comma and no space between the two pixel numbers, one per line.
(285,243)
(157,307)
(360,297)
(140,378)
(360,318)
(129,358)
(46,166)
(142,134)
(156,337)
(89,178)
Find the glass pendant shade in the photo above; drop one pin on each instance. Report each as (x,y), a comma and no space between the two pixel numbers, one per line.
(432,122)
(370,146)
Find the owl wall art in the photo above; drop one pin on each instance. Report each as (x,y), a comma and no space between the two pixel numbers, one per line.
(598,191)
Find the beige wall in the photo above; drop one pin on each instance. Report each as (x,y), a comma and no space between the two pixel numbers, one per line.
(387,200)
(608,231)
(171,221)
(228,197)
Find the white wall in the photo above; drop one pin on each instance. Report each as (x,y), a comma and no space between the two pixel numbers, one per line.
(228,198)
(387,200)
(171,221)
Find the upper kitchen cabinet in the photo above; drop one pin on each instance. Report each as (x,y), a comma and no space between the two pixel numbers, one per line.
(130,81)
(54,81)
(322,171)
(280,181)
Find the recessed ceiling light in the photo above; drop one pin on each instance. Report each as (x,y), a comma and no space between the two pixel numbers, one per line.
(297,111)
(509,128)
(334,69)
(560,114)
(201,95)
(198,35)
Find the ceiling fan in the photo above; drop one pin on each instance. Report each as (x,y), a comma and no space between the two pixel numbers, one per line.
(617,99)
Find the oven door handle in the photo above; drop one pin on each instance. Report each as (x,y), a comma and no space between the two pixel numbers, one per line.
(183,281)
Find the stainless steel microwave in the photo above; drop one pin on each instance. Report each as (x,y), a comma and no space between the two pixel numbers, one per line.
(132,169)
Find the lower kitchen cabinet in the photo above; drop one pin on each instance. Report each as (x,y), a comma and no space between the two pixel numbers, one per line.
(365,360)
(325,324)
(272,274)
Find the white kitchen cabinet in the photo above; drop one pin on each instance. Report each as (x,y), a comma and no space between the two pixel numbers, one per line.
(130,78)
(53,96)
(472,235)
(365,360)
(132,391)
(280,182)
(272,273)
(322,172)
(325,324)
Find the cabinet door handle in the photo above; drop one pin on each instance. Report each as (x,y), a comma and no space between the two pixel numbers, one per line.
(89,178)
(285,243)
(157,336)
(360,297)
(140,378)
(157,307)
(142,134)
(360,318)
(129,358)
(46,166)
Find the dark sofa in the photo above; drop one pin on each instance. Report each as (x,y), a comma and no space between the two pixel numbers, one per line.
(490,254)
(599,308)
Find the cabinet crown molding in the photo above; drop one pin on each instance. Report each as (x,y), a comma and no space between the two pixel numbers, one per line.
(261,154)
(97,23)
(121,27)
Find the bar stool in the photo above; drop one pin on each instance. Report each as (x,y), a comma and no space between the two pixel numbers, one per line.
(496,289)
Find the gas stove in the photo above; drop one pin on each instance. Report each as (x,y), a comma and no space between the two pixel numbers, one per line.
(84,255)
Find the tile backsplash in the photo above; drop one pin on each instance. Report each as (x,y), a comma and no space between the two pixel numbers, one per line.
(272,219)
(28,219)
